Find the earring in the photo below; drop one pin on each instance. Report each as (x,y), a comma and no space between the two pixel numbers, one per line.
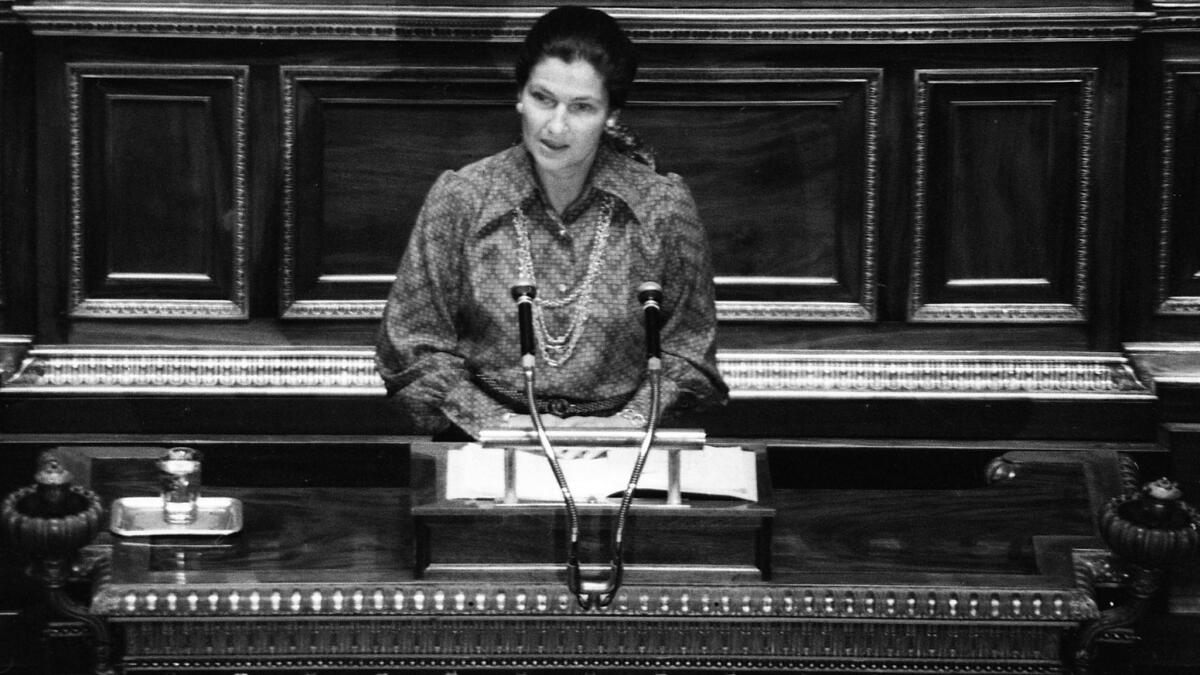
(610,123)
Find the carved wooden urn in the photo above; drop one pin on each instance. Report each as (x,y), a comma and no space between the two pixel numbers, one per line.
(1153,527)
(52,519)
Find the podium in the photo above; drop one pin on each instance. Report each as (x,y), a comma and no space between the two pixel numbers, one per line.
(670,534)
(871,578)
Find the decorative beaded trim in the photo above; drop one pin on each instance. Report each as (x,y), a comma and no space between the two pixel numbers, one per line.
(765,374)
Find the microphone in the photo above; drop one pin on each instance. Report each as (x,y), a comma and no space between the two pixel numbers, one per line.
(650,295)
(524,291)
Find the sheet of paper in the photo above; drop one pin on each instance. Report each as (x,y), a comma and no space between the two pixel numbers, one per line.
(718,471)
(475,472)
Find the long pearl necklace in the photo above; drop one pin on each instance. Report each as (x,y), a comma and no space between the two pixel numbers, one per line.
(556,349)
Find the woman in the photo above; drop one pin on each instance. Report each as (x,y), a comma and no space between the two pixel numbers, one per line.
(573,209)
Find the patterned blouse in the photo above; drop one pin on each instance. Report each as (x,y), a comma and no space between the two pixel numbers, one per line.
(450,317)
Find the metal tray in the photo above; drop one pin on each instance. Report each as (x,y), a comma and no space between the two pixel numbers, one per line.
(142,517)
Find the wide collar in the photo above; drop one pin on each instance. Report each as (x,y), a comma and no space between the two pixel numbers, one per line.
(516,184)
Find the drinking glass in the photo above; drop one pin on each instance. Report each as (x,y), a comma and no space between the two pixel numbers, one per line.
(179,482)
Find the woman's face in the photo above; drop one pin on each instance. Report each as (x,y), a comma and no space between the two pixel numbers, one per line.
(563,109)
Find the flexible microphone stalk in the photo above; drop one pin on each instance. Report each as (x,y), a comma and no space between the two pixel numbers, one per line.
(523,292)
(594,594)
(650,295)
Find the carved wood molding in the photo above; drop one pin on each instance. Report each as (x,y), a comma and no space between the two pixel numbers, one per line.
(768,311)
(659,664)
(349,371)
(1097,566)
(1174,24)
(948,650)
(317,21)
(1030,602)
(341,371)
(1171,17)
(13,349)
(685,626)
(802,374)
(80,305)
(1171,363)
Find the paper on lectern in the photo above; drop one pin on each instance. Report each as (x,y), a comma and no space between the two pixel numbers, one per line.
(475,472)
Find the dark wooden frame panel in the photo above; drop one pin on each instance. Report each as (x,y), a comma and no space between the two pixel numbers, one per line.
(120,190)
(968,270)
(1177,262)
(825,148)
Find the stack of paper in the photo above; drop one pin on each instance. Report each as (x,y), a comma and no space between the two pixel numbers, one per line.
(475,472)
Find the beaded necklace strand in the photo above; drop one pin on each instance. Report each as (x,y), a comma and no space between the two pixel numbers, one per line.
(556,349)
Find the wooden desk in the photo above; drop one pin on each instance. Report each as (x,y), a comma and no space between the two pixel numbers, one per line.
(979,579)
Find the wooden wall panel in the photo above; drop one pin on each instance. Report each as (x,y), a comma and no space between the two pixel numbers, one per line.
(158,195)
(782,164)
(4,224)
(1178,247)
(18,287)
(362,146)
(873,179)
(1002,195)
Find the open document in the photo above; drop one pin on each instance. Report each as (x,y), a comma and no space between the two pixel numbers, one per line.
(475,472)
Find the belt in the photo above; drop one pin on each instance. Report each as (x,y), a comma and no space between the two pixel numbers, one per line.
(560,406)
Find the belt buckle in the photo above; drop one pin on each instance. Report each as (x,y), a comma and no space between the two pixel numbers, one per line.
(558,406)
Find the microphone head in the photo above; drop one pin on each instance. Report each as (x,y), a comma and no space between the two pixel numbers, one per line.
(524,288)
(649,292)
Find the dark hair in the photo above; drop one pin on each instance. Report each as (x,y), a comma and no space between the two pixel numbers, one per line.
(572,33)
